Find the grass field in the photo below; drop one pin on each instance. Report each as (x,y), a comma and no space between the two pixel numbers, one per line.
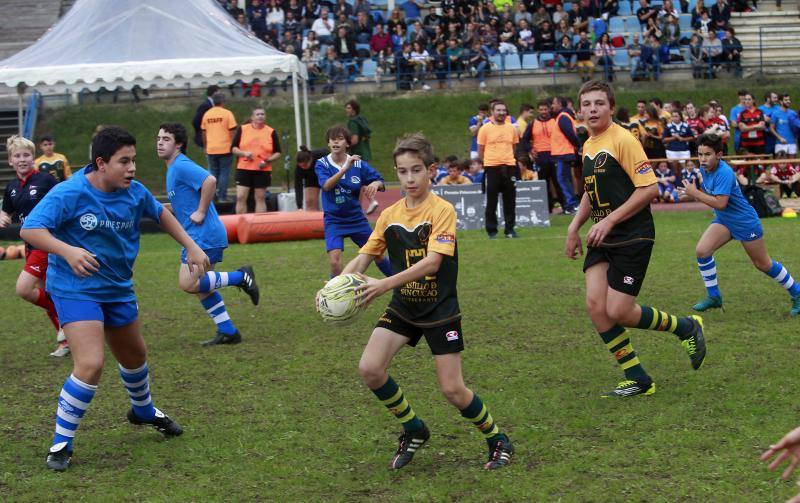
(443,117)
(284,416)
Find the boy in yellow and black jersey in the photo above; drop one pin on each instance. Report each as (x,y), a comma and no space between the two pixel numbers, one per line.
(419,235)
(52,162)
(619,185)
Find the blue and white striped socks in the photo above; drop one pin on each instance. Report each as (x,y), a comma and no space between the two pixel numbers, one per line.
(708,270)
(137,383)
(215,307)
(215,280)
(72,404)
(782,276)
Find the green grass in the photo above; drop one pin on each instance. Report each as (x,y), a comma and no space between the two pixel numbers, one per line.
(442,117)
(284,415)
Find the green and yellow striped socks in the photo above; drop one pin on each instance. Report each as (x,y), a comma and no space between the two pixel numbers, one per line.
(479,415)
(618,342)
(653,319)
(392,397)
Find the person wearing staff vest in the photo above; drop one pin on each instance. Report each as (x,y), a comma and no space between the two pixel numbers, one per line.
(536,141)
(563,145)
(256,144)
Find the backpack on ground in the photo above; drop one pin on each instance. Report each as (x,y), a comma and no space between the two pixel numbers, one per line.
(764,202)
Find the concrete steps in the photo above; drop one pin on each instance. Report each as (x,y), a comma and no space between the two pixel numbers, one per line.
(770,37)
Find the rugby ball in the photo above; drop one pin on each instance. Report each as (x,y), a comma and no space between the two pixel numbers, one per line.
(336,302)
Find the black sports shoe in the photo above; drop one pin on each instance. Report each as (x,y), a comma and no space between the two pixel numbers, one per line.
(500,453)
(249,285)
(410,442)
(59,460)
(221,338)
(512,234)
(631,388)
(695,344)
(161,422)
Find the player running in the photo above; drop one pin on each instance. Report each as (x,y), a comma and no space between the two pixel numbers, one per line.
(620,184)
(90,226)
(734,218)
(342,178)
(419,233)
(22,194)
(190,189)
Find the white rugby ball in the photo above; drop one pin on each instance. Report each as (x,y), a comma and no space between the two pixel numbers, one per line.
(337,299)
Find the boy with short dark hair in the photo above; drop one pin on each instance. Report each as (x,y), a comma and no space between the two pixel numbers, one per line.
(90,226)
(419,234)
(51,161)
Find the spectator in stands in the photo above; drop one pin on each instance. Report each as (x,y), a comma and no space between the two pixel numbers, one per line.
(650,59)
(559,13)
(508,39)
(654,28)
(295,8)
(380,40)
(241,20)
(720,15)
(525,38)
(609,8)
(218,126)
(645,13)
(275,18)
(323,27)
(704,24)
(583,55)
(345,46)
(667,9)
(732,52)
(418,34)
(363,28)
(343,8)
(411,10)
(293,26)
(545,38)
(565,53)
(563,28)
(257,16)
(786,176)
(672,32)
(697,11)
(478,61)
(604,52)
(696,57)
(784,123)
(522,14)
(198,115)
(343,21)
(580,20)
(395,19)
(712,53)
(332,68)
(311,11)
(634,55)
(752,124)
(455,57)
(420,59)
(540,16)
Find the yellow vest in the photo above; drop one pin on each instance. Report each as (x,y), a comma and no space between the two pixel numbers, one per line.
(259,142)
(559,144)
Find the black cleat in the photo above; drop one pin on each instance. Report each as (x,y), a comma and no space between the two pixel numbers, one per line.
(631,388)
(59,460)
(695,344)
(500,453)
(162,422)
(249,285)
(410,442)
(221,338)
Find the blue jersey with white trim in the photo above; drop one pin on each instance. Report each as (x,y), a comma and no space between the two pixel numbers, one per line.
(341,204)
(738,214)
(104,223)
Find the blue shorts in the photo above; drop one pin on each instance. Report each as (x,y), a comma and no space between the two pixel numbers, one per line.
(112,314)
(744,233)
(214,255)
(334,238)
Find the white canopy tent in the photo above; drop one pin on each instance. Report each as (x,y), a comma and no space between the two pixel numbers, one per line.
(149,43)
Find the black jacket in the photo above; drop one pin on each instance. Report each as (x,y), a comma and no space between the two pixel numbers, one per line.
(198,119)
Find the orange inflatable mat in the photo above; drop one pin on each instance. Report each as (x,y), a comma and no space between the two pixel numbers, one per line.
(279,226)
(231,223)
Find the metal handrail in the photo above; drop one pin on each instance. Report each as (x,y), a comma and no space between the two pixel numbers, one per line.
(29,122)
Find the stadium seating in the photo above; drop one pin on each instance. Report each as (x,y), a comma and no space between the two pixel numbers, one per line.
(616,25)
(530,61)
(545,58)
(511,62)
(496,61)
(369,68)
(621,59)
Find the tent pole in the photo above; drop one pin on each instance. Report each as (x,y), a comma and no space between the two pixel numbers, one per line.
(296,98)
(305,112)
(20,106)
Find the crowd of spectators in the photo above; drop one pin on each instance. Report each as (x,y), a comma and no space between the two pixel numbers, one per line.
(421,45)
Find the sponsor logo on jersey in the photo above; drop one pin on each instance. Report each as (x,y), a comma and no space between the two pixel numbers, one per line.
(32,192)
(644,168)
(445,238)
(88,221)
(451,335)
(600,160)
(355,180)
(35,268)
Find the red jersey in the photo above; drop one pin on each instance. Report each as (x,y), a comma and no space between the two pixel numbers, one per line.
(753,138)
(697,125)
(783,171)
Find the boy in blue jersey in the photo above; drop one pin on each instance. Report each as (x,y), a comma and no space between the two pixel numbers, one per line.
(784,124)
(342,178)
(190,189)
(733,117)
(734,218)
(89,225)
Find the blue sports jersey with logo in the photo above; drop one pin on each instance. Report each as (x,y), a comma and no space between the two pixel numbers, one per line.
(738,215)
(184,180)
(682,130)
(341,204)
(104,223)
(786,123)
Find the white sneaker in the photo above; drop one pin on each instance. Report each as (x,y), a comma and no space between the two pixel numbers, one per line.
(426,87)
(60,337)
(61,351)
(482,85)
(373,205)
